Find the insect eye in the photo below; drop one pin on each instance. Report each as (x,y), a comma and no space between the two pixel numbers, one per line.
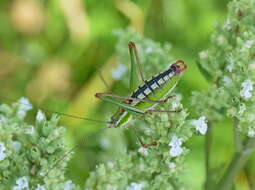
(175,67)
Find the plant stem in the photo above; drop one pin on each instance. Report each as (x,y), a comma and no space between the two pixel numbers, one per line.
(237,163)
(208,140)
(237,137)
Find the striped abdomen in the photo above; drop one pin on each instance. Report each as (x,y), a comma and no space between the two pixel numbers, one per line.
(151,86)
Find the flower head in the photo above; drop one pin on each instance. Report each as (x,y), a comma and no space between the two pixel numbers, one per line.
(68,185)
(135,186)
(200,125)
(247,87)
(2,151)
(171,165)
(175,145)
(143,151)
(21,183)
(40,116)
(24,106)
(17,145)
(227,81)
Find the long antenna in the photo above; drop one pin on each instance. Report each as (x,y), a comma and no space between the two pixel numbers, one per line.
(104,81)
(59,113)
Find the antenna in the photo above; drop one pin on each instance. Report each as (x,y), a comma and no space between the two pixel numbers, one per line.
(59,113)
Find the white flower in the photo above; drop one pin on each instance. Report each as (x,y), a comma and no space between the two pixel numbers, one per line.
(17,145)
(203,54)
(251,132)
(231,61)
(175,145)
(40,116)
(2,151)
(118,72)
(200,125)
(68,185)
(171,165)
(227,81)
(24,106)
(230,67)
(21,183)
(247,87)
(143,151)
(40,187)
(242,109)
(176,151)
(135,186)
(248,44)
(175,141)
(175,105)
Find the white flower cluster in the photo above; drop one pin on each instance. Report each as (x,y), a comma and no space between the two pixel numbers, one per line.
(175,144)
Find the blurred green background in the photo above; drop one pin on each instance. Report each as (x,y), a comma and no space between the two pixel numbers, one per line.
(50,52)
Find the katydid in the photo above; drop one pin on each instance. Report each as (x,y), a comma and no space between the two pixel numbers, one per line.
(151,92)
(143,98)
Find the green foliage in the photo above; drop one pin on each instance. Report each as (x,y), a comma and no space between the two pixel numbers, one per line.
(229,63)
(29,152)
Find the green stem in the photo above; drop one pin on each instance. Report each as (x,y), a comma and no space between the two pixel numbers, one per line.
(237,137)
(208,140)
(237,163)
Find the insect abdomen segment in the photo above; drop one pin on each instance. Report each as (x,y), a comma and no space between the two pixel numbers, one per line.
(153,84)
